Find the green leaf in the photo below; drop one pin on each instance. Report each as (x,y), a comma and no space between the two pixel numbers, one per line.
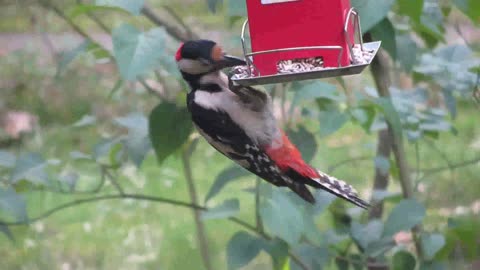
(471,8)
(403,260)
(79,155)
(278,251)
(315,90)
(5,230)
(132,6)
(169,128)
(406,51)
(212,5)
(364,235)
(13,204)
(379,248)
(241,249)
(305,141)
(372,11)
(411,8)
(137,142)
(383,195)
(434,266)
(237,8)
(282,218)
(7,159)
(103,150)
(223,178)
(331,121)
(227,209)
(385,32)
(364,115)
(86,120)
(404,216)
(314,257)
(431,244)
(135,52)
(68,57)
(30,167)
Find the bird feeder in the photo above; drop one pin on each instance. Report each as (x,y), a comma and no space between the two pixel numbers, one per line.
(293,40)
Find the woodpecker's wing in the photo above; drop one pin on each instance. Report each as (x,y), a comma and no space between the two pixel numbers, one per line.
(229,139)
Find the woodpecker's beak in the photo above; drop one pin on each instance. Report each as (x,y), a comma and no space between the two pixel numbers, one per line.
(229,61)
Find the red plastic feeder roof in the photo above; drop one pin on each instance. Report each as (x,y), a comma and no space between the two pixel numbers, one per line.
(279,24)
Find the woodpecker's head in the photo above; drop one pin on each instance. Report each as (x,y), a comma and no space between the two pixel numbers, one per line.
(198,57)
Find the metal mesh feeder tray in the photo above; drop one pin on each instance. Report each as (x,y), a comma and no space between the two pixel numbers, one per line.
(307,62)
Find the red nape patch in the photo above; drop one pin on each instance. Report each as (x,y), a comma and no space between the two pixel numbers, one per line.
(178,55)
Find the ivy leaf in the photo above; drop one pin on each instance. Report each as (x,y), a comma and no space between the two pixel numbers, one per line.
(7,159)
(315,90)
(403,260)
(137,142)
(226,176)
(30,167)
(86,120)
(227,209)
(406,51)
(242,249)
(411,8)
(314,257)
(169,128)
(132,6)
(212,5)
(372,11)
(237,8)
(278,251)
(385,32)
(470,7)
(13,203)
(404,216)
(331,121)
(282,218)
(366,234)
(431,244)
(5,230)
(305,141)
(137,52)
(67,57)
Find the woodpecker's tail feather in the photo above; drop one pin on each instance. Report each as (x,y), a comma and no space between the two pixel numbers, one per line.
(338,188)
(301,190)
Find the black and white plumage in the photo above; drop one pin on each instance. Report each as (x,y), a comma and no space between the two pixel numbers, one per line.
(238,121)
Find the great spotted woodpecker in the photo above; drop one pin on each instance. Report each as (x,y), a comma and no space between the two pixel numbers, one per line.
(238,121)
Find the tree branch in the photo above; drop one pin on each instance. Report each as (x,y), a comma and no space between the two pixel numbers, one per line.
(380,182)
(171,30)
(380,68)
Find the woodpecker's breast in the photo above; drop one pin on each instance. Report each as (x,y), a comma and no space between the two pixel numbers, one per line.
(259,125)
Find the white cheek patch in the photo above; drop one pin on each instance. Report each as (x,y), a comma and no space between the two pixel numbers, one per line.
(193,66)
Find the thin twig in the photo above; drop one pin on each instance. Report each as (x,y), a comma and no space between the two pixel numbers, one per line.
(114,182)
(258,218)
(201,233)
(334,167)
(157,20)
(429,172)
(190,33)
(101,198)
